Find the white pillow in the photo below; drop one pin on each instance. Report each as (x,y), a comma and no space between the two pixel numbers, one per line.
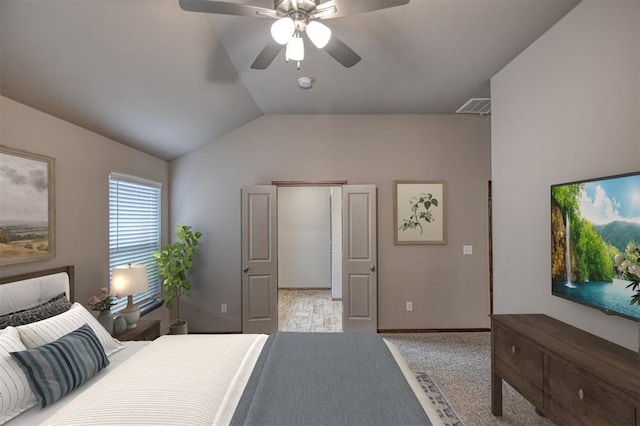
(15,392)
(46,331)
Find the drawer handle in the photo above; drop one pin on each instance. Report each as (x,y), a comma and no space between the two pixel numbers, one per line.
(580,394)
(513,349)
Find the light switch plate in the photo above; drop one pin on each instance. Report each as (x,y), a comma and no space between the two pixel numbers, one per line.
(467,249)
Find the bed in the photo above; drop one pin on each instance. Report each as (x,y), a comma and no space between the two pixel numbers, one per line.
(238,379)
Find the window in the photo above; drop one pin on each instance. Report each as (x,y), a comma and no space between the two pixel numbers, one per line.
(134,230)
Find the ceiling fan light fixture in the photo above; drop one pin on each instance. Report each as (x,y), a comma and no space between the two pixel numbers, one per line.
(282,30)
(295,49)
(292,19)
(318,33)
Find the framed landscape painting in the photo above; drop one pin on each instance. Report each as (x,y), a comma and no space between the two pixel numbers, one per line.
(27,224)
(420,212)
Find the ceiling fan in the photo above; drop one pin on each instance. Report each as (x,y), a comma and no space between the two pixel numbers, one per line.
(295,18)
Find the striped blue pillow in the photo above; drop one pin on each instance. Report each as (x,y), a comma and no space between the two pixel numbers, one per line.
(55,369)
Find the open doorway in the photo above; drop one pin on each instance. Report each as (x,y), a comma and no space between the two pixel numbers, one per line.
(260,258)
(309,258)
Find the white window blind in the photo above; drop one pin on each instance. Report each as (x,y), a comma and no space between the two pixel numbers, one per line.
(134,229)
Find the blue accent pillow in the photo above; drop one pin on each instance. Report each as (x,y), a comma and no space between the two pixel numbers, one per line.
(55,369)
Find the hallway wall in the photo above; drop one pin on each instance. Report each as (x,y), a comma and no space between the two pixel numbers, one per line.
(304,224)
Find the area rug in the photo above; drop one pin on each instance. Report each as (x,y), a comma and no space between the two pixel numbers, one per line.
(445,411)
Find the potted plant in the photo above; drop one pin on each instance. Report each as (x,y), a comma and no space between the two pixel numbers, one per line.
(628,264)
(174,261)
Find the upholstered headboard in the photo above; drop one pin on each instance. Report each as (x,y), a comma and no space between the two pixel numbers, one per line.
(26,289)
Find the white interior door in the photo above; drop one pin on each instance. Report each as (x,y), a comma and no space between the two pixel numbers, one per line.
(259,259)
(360,283)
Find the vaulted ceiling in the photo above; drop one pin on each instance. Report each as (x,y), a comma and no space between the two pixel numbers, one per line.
(150,75)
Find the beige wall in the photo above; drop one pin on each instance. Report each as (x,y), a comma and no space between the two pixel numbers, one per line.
(565,109)
(83,161)
(448,290)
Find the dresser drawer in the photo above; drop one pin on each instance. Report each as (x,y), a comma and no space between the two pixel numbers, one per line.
(520,363)
(576,399)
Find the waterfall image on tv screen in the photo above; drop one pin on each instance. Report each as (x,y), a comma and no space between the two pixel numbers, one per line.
(591,222)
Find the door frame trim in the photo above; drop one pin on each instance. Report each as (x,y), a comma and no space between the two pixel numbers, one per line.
(309,183)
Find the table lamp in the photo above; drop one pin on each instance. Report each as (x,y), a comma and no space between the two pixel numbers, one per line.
(129,280)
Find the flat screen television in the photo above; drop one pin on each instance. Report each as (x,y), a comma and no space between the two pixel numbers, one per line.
(591,222)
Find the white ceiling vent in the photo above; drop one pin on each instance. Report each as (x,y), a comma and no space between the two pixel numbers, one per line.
(481,106)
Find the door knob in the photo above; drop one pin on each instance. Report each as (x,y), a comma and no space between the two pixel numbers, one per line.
(373,268)
(245,269)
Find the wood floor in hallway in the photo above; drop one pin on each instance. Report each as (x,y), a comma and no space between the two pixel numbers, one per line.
(308,311)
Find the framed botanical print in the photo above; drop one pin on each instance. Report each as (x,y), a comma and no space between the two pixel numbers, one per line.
(27,210)
(420,212)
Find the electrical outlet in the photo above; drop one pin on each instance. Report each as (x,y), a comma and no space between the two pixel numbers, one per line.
(409,306)
(466,250)
(223,308)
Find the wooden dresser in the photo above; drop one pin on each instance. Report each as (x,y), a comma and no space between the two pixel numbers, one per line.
(569,375)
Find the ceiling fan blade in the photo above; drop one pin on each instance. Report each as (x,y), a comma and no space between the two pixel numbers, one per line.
(267,55)
(341,52)
(339,8)
(224,8)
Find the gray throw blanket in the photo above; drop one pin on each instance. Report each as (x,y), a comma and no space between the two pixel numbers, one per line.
(327,379)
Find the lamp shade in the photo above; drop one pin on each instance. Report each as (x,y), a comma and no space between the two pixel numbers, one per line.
(295,49)
(129,279)
(282,30)
(318,33)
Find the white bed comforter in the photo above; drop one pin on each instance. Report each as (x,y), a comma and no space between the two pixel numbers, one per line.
(176,380)
(183,380)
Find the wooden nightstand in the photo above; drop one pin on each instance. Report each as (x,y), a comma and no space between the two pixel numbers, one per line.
(145,330)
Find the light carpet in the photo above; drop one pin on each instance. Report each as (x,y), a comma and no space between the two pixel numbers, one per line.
(458,365)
